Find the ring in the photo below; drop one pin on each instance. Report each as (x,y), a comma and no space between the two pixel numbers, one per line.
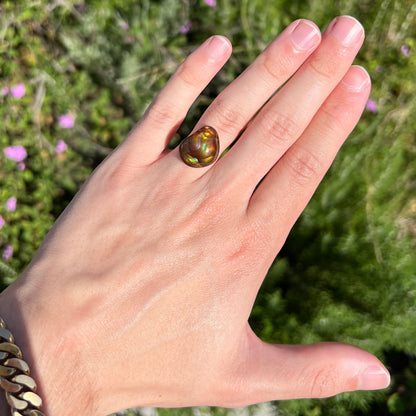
(201,148)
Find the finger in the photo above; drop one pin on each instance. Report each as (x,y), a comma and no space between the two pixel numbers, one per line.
(238,103)
(289,112)
(285,191)
(280,372)
(151,135)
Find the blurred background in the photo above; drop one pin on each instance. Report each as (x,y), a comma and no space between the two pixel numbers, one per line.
(75,76)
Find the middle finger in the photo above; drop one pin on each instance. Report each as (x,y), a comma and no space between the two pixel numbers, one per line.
(239,102)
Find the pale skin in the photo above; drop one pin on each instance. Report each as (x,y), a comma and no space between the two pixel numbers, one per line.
(141,292)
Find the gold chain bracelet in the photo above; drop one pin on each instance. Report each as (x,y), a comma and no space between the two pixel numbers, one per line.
(14,377)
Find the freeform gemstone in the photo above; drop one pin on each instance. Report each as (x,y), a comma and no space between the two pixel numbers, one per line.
(200,148)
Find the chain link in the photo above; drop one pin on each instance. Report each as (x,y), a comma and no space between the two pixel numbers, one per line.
(19,387)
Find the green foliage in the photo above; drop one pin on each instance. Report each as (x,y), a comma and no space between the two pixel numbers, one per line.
(347,271)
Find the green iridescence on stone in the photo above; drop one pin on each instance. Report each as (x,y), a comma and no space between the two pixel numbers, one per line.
(200,148)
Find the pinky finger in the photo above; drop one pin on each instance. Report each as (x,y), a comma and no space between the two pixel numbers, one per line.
(150,136)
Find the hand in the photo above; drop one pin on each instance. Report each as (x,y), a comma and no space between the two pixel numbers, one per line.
(141,292)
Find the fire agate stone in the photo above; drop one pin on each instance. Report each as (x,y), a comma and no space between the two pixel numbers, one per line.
(200,148)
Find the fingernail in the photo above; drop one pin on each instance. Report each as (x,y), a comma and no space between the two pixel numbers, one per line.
(374,378)
(216,47)
(305,35)
(347,30)
(356,79)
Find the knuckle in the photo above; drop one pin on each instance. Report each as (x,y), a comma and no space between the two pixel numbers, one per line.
(116,174)
(324,68)
(162,114)
(206,211)
(188,75)
(324,383)
(251,241)
(278,129)
(304,165)
(337,117)
(274,66)
(229,118)
(330,381)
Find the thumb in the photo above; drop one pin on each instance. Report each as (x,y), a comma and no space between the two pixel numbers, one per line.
(279,372)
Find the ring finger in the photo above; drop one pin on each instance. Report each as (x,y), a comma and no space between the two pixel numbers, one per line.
(238,103)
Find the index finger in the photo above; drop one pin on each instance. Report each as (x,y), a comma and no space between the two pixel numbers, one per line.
(151,135)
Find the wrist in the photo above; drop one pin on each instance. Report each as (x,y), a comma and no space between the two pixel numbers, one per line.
(13,324)
(42,348)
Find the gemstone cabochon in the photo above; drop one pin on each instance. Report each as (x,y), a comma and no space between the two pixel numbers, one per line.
(201,148)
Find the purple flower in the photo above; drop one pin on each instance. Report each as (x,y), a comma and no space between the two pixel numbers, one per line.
(18,91)
(2,222)
(60,147)
(11,204)
(405,50)
(124,25)
(371,106)
(5,90)
(129,39)
(66,121)
(21,166)
(211,3)
(7,252)
(16,153)
(185,28)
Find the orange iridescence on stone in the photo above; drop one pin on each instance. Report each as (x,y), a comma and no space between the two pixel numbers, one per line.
(200,148)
